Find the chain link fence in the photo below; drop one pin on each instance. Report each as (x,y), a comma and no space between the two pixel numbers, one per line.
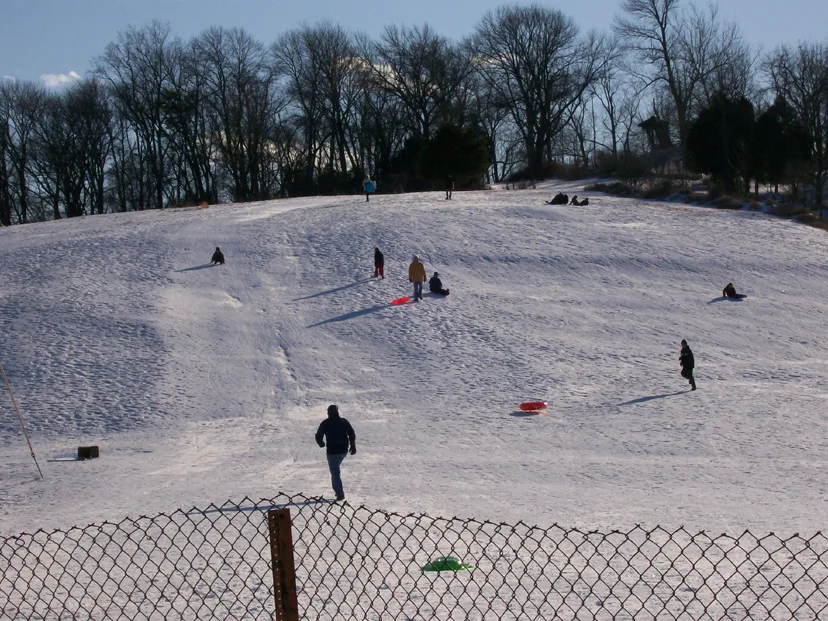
(358,563)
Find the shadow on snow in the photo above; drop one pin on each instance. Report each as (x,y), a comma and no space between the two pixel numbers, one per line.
(721,298)
(342,288)
(351,315)
(651,397)
(197,267)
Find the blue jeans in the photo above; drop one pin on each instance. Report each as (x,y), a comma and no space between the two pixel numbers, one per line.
(334,462)
(418,290)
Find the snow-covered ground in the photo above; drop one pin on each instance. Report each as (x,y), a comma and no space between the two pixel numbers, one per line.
(205,383)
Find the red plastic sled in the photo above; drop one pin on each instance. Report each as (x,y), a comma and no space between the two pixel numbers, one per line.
(533,406)
(402,300)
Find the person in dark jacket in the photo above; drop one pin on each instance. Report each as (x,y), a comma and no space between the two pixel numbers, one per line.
(218,257)
(435,285)
(729,291)
(379,263)
(341,440)
(687,364)
(449,187)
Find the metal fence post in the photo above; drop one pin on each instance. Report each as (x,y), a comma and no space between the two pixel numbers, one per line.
(284,571)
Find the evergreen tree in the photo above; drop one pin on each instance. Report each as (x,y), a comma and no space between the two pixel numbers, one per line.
(781,145)
(461,152)
(719,141)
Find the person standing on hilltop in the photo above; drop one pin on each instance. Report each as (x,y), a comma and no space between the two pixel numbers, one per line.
(368,187)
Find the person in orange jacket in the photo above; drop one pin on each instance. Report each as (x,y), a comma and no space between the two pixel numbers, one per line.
(417,275)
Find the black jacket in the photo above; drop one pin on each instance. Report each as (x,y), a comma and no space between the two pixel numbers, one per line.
(218,257)
(338,434)
(435,285)
(378,258)
(686,359)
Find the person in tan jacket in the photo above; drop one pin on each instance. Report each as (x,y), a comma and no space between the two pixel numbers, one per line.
(417,275)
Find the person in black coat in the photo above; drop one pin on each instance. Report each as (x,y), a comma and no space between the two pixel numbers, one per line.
(449,187)
(218,257)
(687,363)
(379,263)
(435,285)
(729,291)
(341,440)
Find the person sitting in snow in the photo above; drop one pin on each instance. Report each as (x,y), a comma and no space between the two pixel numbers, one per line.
(729,291)
(218,257)
(435,285)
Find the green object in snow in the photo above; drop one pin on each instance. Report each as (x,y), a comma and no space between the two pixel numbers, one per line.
(446,563)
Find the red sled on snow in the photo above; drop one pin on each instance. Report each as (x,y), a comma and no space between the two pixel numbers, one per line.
(533,406)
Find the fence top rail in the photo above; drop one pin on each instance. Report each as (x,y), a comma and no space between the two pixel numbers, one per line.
(283,500)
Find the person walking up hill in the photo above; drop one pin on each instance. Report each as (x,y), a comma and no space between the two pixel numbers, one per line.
(687,363)
(379,263)
(341,440)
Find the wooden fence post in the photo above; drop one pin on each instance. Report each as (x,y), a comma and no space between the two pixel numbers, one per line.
(284,571)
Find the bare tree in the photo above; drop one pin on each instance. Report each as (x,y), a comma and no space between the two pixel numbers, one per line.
(5,159)
(243,104)
(691,55)
(71,149)
(651,30)
(720,59)
(22,105)
(800,76)
(491,114)
(191,129)
(423,70)
(296,63)
(140,68)
(533,58)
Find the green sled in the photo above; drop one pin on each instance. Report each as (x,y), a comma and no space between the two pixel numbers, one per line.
(446,563)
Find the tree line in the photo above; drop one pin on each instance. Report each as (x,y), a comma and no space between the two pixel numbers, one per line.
(162,122)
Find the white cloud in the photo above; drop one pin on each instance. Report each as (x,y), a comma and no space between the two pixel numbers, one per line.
(10,78)
(52,80)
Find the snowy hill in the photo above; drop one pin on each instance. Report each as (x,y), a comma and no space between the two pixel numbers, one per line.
(204,383)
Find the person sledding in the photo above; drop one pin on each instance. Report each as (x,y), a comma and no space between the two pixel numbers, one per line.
(687,363)
(559,199)
(218,257)
(435,285)
(730,292)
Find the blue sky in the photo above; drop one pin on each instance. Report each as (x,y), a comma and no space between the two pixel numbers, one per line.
(56,37)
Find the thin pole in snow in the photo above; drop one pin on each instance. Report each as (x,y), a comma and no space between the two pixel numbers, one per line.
(20,418)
